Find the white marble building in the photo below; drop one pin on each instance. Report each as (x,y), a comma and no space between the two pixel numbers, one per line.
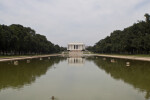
(76,47)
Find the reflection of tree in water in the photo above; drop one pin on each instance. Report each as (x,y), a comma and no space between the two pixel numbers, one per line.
(138,74)
(24,73)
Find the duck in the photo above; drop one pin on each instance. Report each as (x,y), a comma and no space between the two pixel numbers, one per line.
(53,98)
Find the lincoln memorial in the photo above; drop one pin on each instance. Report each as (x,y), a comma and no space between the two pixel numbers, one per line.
(76,47)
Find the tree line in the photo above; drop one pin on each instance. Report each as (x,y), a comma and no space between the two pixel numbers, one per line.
(20,40)
(134,39)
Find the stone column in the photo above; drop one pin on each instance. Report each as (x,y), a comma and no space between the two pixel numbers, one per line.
(80,47)
(72,47)
(68,47)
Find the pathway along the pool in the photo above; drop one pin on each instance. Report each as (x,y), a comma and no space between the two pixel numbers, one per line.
(101,55)
(125,57)
(26,57)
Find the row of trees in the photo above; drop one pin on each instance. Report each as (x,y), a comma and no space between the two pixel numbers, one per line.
(16,39)
(132,40)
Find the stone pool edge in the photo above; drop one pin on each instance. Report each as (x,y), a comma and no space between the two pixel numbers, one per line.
(26,57)
(125,57)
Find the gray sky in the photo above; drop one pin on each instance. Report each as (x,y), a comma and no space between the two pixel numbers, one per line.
(64,21)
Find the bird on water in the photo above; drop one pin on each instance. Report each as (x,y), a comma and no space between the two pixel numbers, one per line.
(52,98)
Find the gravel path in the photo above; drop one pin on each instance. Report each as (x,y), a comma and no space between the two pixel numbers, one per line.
(26,57)
(126,57)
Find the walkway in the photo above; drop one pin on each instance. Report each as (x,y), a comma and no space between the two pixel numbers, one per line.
(26,57)
(125,57)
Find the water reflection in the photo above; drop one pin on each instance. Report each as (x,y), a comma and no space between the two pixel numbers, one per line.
(76,60)
(16,75)
(137,74)
(68,82)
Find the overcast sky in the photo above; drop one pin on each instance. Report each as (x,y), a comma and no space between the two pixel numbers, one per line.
(64,21)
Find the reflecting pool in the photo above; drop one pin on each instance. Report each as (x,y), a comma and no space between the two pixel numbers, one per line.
(75,78)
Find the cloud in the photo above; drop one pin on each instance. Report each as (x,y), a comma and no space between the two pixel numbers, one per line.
(142,4)
(64,21)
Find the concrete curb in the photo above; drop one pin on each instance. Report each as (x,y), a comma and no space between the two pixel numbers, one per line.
(126,57)
(26,57)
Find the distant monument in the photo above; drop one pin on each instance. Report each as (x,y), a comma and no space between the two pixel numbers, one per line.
(76,49)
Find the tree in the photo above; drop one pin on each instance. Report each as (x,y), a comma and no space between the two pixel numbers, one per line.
(147,18)
(16,39)
(132,40)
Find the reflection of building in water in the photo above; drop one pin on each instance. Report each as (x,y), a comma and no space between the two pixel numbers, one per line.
(76,60)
